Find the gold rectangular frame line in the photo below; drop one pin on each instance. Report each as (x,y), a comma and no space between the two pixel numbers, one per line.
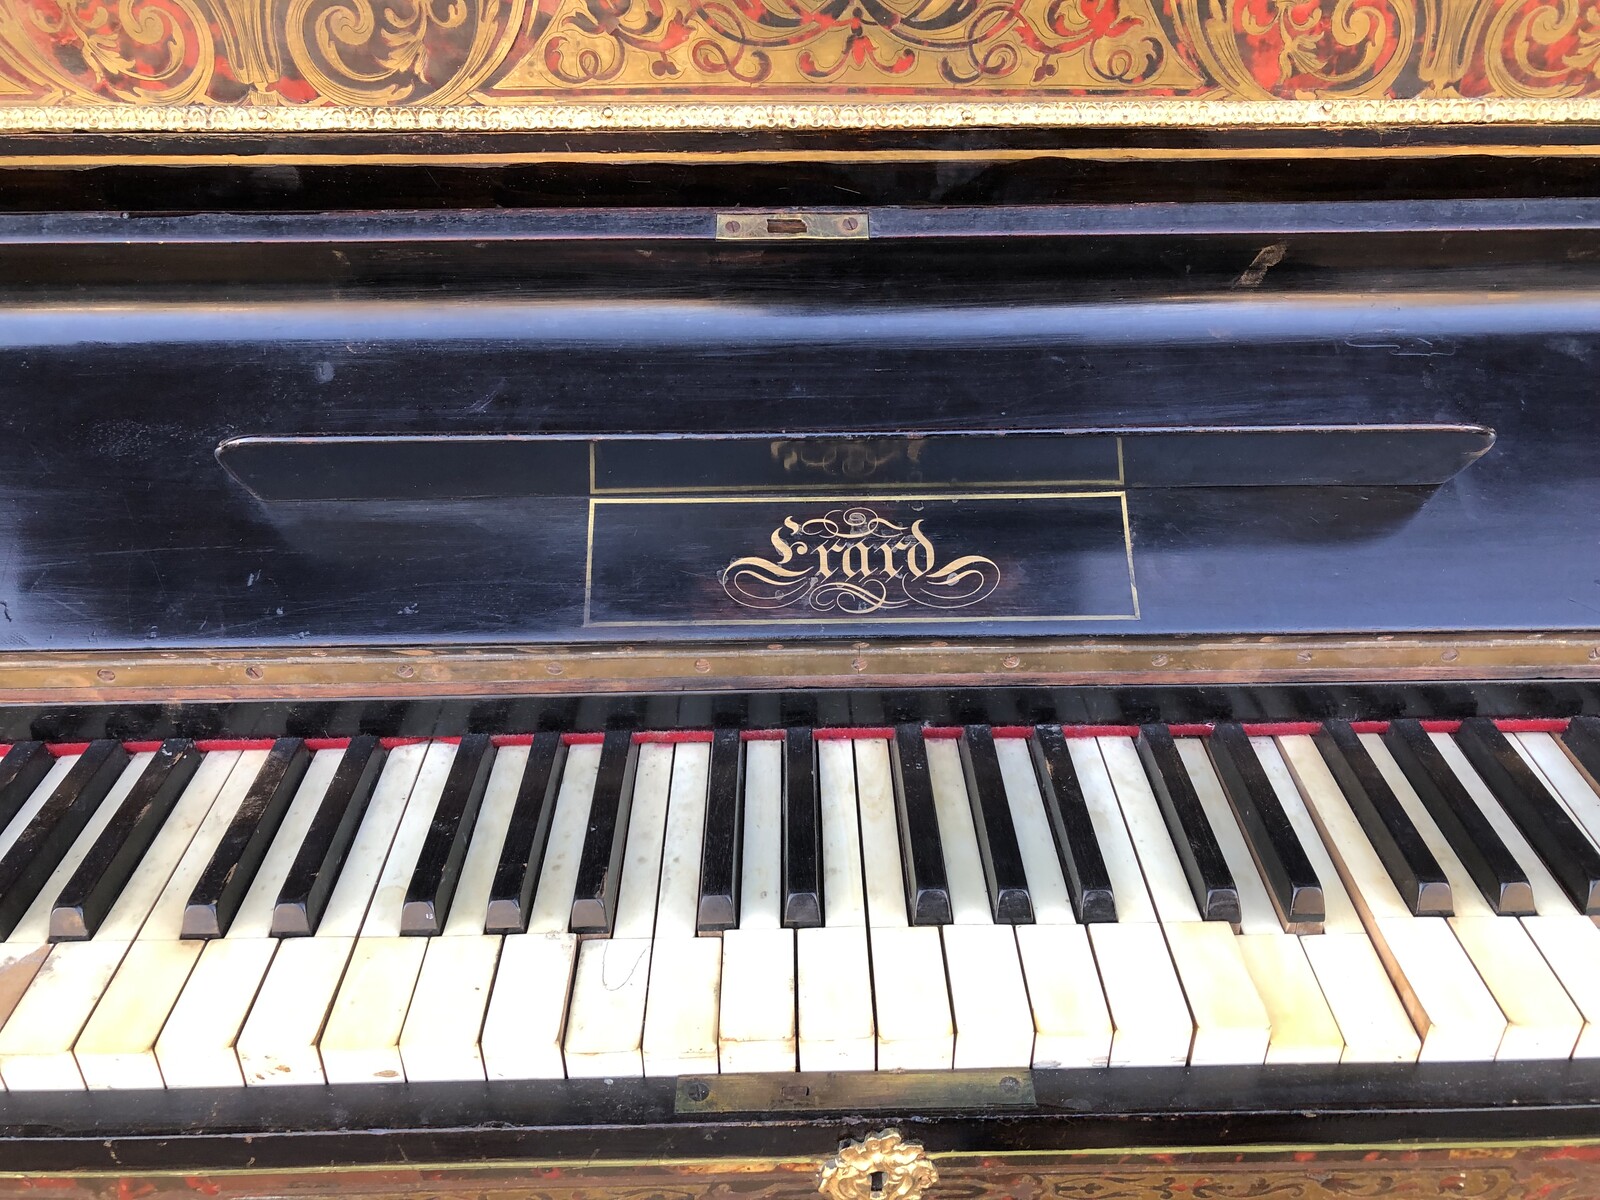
(1121,498)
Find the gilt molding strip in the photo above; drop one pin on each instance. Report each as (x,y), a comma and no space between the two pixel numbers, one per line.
(330,66)
(42,676)
(653,115)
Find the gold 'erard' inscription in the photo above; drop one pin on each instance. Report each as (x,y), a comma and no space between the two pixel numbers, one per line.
(853,561)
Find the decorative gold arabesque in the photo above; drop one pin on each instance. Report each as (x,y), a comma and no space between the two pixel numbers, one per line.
(881,1166)
(466,65)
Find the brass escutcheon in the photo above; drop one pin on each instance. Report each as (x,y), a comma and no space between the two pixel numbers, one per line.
(881,1166)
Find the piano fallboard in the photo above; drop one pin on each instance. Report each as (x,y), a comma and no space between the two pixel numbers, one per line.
(608,426)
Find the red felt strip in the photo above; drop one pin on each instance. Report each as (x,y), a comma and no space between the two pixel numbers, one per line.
(1190,730)
(669,737)
(390,743)
(854,734)
(512,739)
(762,735)
(1532,725)
(582,739)
(318,744)
(62,749)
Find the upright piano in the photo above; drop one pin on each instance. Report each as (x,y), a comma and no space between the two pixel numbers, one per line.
(793,597)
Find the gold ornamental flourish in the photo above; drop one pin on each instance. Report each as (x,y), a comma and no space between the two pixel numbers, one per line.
(881,1166)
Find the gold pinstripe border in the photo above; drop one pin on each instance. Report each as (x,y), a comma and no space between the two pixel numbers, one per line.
(808,115)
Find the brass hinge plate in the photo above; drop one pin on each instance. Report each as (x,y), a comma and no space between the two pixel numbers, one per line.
(854,1091)
(791,226)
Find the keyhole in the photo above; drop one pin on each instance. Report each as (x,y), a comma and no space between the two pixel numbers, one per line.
(876,1181)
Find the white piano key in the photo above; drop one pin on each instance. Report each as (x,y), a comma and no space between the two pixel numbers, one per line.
(1568,940)
(756,1012)
(361,1041)
(1354,982)
(26,949)
(526,1024)
(916,1031)
(470,908)
(117,1047)
(680,1025)
(842,898)
(1451,1009)
(36,1041)
(880,835)
(278,1044)
(834,991)
(1151,1026)
(1303,1028)
(439,1040)
(388,901)
(1163,872)
(36,800)
(680,1018)
(1567,783)
(1151,1022)
(963,866)
(833,965)
(639,887)
(558,877)
(605,1019)
(439,1037)
(1231,1025)
(526,1018)
(760,866)
(1541,1022)
(1040,863)
(678,902)
(1372,1021)
(911,1006)
(988,993)
(1116,847)
(756,1000)
(1071,1021)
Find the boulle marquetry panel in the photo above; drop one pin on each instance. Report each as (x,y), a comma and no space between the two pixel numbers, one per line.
(288,64)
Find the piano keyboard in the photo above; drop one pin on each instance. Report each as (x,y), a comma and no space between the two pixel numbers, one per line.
(600,905)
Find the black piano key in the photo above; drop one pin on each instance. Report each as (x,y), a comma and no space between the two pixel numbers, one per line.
(1290,878)
(997,835)
(315,871)
(594,899)
(802,832)
(516,877)
(1416,874)
(1494,869)
(21,771)
(45,840)
(1581,741)
(438,870)
(1082,865)
(1543,820)
(122,843)
(222,885)
(719,850)
(921,849)
(1215,894)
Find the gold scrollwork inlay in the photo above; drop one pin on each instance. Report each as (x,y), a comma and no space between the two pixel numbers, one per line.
(853,561)
(881,1166)
(242,66)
